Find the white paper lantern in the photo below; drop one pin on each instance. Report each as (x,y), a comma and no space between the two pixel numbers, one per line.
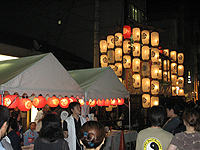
(154,71)
(104,60)
(118,69)
(174,93)
(180,58)
(165,65)
(111,56)
(165,76)
(103,46)
(136,34)
(118,39)
(181,82)
(112,67)
(136,49)
(120,79)
(173,56)
(136,65)
(173,68)
(110,41)
(166,52)
(136,81)
(160,74)
(154,101)
(154,55)
(145,52)
(145,37)
(154,39)
(154,87)
(145,69)
(127,61)
(181,92)
(174,79)
(169,76)
(118,54)
(180,70)
(145,84)
(146,100)
(160,63)
(126,46)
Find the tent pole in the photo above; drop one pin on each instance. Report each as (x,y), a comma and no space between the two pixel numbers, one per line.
(2,93)
(129,103)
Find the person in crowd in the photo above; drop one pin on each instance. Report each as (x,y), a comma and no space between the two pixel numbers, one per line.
(51,135)
(73,124)
(92,115)
(6,143)
(154,137)
(12,135)
(30,135)
(174,118)
(4,120)
(190,139)
(40,115)
(92,135)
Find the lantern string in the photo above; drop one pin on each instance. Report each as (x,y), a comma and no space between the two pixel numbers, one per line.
(13,101)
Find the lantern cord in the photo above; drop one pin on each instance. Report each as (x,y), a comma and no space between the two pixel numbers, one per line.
(13,101)
(126,105)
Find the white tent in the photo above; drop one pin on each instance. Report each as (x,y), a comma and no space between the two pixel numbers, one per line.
(39,74)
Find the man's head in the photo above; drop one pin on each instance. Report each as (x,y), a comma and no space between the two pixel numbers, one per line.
(4,119)
(157,115)
(74,108)
(46,109)
(172,109)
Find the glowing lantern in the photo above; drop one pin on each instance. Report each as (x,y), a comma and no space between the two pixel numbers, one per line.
(100,102)
(154,39)
(180,58)
(118,54)
(181,92)
(136,81)
(53,101)
(107,102)
(118,39)
(136,65)
(165,75)
(11,101)
(174,78)
(174,91)
(72,99)
(166,64)
(93,103)
(154,71)
(136,34)
(146,100)
(24,104)
(0,100)
(168,75)
(173,68)
(103,46)
(159,74)
(120,79)
(154,87)
(173,56)
(166,52)
(154,55)
(160,63)
(111,56)
(114,102)
(110,41)
(81,101)
(136,49)
(118,69)
(154,101)
(104,60)
(120,101)
(145,52)
(127,61)
(64,102)
(181,82)
(39,102)
(145,84)
(145,69)
(127,47)
(126,32)
(180,70)
(145,37)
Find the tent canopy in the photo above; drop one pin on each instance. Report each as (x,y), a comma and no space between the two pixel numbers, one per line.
(99,83)
(39,74)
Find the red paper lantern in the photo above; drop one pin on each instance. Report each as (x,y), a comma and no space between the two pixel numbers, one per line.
(25,104)
(39,102)
(72,99)
(114,102)
(0,99)
(11,101)
(93,103)
(126,32)
(53,101)
(107,102)
(81,101)
(64,102)
(100,102)
(120,101)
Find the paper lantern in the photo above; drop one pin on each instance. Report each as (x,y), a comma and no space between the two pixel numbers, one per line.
(166,65)
(93,103)
(118,69)
(81,101)
(160,74)
(107,102)
(72,99)
(181,92)
(145,37)
(64,102)
(154,39)
(160,63)
(100,102)
(136,81)
(165,76)
(114,102)
(136,49)
(0,100)
(126,32)
(120,101)
(173,79)
(24,104)
(145,69)
(145,52)
(110,41)
(11,101)
(136,65)
(39,102)
(104,60)
(174,91)
(166,52)
(146,100)
(118,39)
(154,71)
(173,56)
(120,79)
(103,46)
(127,61)
(118,54)
(136,34)
(180,58)
(154,87)
(111,56)
(173,68)
(154,55)
(127,47)
(180,70)
(181,82)
(53,101)
(145,84)
(154,101)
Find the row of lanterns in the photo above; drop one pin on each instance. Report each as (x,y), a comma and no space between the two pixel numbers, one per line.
(25,104)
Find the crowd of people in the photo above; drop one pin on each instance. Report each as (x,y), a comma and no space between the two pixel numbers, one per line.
(75,132)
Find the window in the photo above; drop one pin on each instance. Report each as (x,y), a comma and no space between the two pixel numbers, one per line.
(136,14)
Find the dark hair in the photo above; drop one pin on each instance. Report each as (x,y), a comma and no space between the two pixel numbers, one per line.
(191,117)
(173,106)
(31,123)
(72,105)
(5,115)
(51,128)
(157,115)
(92,134)
(13,124)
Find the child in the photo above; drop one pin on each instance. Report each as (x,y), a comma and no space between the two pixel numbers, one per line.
(30,135)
